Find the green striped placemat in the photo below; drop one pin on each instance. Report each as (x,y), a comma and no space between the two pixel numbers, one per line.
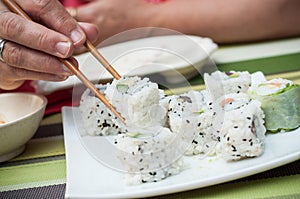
(264,188)
(43,162)
(42,147)
(32,175)
(269,65)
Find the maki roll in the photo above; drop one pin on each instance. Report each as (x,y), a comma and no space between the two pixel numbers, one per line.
(96,118)
(280,99)
(222,83)
(138,101)
(149,157)
(241,132)
(190,116)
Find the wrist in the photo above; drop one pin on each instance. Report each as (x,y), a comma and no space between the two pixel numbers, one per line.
(149,15)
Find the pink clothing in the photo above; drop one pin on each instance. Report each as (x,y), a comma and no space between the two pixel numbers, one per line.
(73,3)
(76,3)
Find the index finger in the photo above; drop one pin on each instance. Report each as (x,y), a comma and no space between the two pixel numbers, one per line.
(54,16)
(33,35)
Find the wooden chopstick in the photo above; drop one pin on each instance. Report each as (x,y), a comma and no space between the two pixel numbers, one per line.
(14,7)
(91,48)
(92,87)
(88,44)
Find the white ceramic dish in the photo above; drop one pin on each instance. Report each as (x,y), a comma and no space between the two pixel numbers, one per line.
(95,180)
(175,57)
(20,114)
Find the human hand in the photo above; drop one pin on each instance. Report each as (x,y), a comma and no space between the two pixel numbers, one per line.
(32,49)
(114,16)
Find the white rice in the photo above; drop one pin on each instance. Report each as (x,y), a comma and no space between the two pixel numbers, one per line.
(149,158)
(221,83)
(138,101)
(190,116)
(241,133)
(159,129)
(96,118)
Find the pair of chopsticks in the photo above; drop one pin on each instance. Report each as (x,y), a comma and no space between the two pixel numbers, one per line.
(14,7)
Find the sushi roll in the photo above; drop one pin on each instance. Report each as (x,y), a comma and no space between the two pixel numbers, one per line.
(138,101)
(241,130)
(149,157)
(280,100)
(96,118)
(222,83)
(190,116)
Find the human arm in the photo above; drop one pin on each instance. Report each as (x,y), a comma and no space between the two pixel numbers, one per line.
(232,21)
(225,21)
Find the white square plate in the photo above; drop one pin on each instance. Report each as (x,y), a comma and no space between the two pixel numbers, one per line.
(88,178)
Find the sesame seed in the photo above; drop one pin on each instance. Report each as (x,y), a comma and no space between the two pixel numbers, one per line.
(233,148)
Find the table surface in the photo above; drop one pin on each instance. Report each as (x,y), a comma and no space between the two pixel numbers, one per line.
(40,172)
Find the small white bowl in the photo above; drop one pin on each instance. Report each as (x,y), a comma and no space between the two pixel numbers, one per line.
(20,116)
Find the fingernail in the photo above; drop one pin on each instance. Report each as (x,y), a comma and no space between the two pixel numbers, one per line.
(67,71)
(62,77)
(76,36)
(63,48)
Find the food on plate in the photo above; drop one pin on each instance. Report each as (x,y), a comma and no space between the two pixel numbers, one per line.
(190,116)
(222,83)
(149,157)
(228,120)
(240,127)
(96,118)
(137,100)
(280,100)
